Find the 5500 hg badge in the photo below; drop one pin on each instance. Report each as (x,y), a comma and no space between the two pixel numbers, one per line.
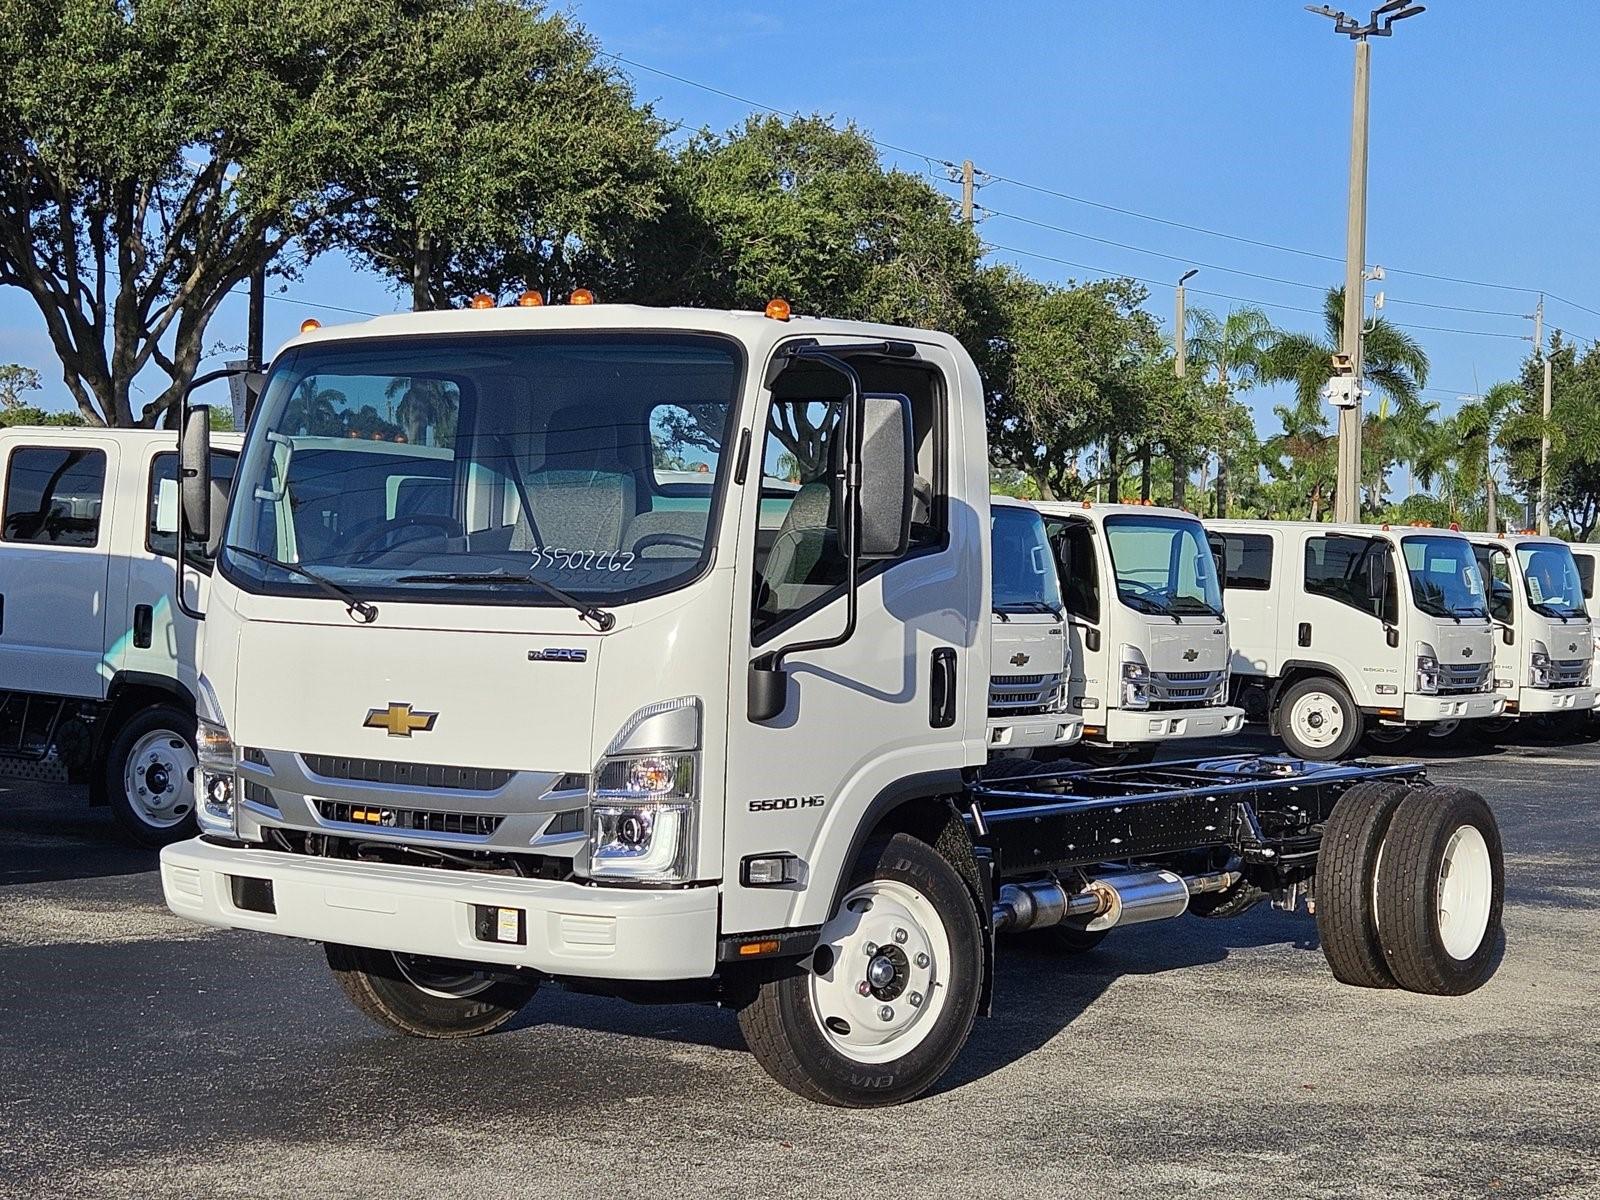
(783,803)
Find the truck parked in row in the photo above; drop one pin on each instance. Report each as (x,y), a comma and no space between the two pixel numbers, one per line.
(1148,640)
(97,663)
(1544,654)
(1346,630)
(578,720)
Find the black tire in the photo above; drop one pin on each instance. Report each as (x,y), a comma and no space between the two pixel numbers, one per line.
(156,747)
(1067,938)
(1347,866)
(381,984)
(1124,755)
(1388,739)
(1234,902)
(1410,884)
(785,1033)
(1351,725)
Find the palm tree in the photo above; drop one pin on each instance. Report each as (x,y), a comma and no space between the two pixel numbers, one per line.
(1477,430)
(1392,362)
(1232,354)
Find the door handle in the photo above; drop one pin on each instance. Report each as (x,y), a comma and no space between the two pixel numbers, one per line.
(142,620)
(942,689)
(1304,633)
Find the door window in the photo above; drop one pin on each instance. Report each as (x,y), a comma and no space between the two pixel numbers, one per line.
(1246,560)
(799,553)
(161,531)
(53,496)
(1343,568)
(1080,576)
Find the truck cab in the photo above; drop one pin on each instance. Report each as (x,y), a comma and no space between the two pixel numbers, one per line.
(97,665)
(1148,639)
(1028,690)
(1544,654)
(1344,630)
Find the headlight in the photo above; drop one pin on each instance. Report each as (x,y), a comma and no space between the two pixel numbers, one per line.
(214,807)
(1427,669)
(1539,665)
(1135,678)
(645,798)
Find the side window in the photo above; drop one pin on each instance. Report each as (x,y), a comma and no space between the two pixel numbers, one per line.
(1073,542)
(53,496)
(161,529)
(1246,559)
(1495,567)
(1585,574)
(799,556)
(1343,569)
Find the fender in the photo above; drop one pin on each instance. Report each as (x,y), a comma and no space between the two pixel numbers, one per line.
(1296,666)
(123,684)
(123,681)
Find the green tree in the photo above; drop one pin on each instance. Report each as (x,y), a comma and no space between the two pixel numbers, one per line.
(1230,354)
(16,382)
(153,153)
(1573,429)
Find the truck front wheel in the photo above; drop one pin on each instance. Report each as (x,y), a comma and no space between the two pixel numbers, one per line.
(878,1012)
(148,775)
(427,997)
(1318,720)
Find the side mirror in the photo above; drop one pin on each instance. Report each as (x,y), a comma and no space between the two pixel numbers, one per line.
(1508,635)
(194,471)
(888,460)
(1221,561)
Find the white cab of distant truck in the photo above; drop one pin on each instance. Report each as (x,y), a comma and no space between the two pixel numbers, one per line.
(1148,640)
(1346,630)
(97,666)
(1028,690)
(1544,654)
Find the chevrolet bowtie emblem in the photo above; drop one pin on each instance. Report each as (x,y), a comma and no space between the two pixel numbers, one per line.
(1018,659)
(1467,653)
(1190,654)
(399,721)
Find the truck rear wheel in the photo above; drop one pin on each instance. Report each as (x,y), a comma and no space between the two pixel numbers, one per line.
(1317,719)
(427,997)
(1347,881)
(1442,892)
(148,775)
(879,1011)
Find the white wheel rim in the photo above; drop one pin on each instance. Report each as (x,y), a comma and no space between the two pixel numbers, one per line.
(1466,886)
(439,978)
(158,779)
(1443,729)
(880,977)
(1316,719)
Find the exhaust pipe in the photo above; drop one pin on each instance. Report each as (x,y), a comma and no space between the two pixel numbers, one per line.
(1121,899)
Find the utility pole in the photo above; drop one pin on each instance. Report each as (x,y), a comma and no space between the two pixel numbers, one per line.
(1544,456)
(966,192)
(1347,494)
(1180,367)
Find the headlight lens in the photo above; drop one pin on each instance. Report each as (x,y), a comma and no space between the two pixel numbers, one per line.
(215,811)
(1135,678)
(1427,669)
(1539,665)
(644,802)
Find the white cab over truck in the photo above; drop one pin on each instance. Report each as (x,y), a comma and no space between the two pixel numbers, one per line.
(1544,654)
(97,665)
(650,651)
(1341,630)
(1028,642)
(1148,638)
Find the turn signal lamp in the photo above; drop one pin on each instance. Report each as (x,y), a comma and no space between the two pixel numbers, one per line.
(481,300)
(530,299)
(582,296)
(309,324)
(778,308)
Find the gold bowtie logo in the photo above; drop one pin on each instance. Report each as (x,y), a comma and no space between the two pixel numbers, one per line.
(399,721)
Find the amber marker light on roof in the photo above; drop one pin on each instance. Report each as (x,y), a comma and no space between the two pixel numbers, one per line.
(309,324)
(581,296)
(481,300)
(778,308)
(530,299)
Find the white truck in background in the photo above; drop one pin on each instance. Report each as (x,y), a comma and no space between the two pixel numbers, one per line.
(97,665)
(1341,631)
(1544,654)
(1147,635)
(556,714)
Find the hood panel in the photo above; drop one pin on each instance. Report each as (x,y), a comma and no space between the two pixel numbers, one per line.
(311,688)
(1027,635)
(1466,643)
(1167,646)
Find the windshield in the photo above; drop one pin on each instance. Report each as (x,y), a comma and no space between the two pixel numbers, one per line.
(1163,564)
(1445,581)
(459,467)
(1024,573)
(1551,577)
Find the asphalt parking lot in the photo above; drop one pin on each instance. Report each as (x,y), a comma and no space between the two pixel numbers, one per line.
(141,1056)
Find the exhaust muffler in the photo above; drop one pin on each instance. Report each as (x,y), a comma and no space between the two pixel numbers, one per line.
(1124,898)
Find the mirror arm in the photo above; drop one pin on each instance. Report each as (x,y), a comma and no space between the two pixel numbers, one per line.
(182,551)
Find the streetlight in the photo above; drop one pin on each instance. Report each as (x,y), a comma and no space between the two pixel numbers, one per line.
(1347,495)
(1181,362)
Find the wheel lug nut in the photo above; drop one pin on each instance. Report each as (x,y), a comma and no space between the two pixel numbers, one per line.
(914,999)
(886,1013)
(900,936)
(871,948)
(863,988)
(922,961)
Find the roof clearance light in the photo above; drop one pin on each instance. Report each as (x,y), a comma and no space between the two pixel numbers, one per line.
(581,296)
(778,308)
(530,299)
(481,300)
(1455,526)
(309,324)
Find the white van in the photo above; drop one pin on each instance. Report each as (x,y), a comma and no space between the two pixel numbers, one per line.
(97,666)
(1343,629)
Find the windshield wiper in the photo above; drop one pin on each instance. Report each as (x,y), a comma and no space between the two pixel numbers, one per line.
(1545,609)
(354,604)
(1034,606)
(1152,605)
(598,617)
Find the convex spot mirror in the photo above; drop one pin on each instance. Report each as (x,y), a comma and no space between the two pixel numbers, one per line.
(194,471)
(888,463)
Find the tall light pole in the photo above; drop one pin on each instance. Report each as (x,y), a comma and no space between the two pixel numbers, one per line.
(1347,494)
(1180,367)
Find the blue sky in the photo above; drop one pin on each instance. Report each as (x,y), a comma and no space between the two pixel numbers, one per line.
(1227,116)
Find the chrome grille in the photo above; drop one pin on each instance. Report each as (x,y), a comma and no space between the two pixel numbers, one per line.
(369,816)
(1567,672)
(1456,678)
(1022,694)
(404,774)
(1185,689)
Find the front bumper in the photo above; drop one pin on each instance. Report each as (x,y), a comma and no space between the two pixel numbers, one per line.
(1031,732)
(1555,700)
(1126,725)
(1420,709)
(571,929)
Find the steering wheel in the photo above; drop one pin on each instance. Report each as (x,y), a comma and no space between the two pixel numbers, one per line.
(1143,588)
(363,547)
(681,540)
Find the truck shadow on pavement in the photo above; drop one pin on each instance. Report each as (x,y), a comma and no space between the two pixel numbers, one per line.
(48,833)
